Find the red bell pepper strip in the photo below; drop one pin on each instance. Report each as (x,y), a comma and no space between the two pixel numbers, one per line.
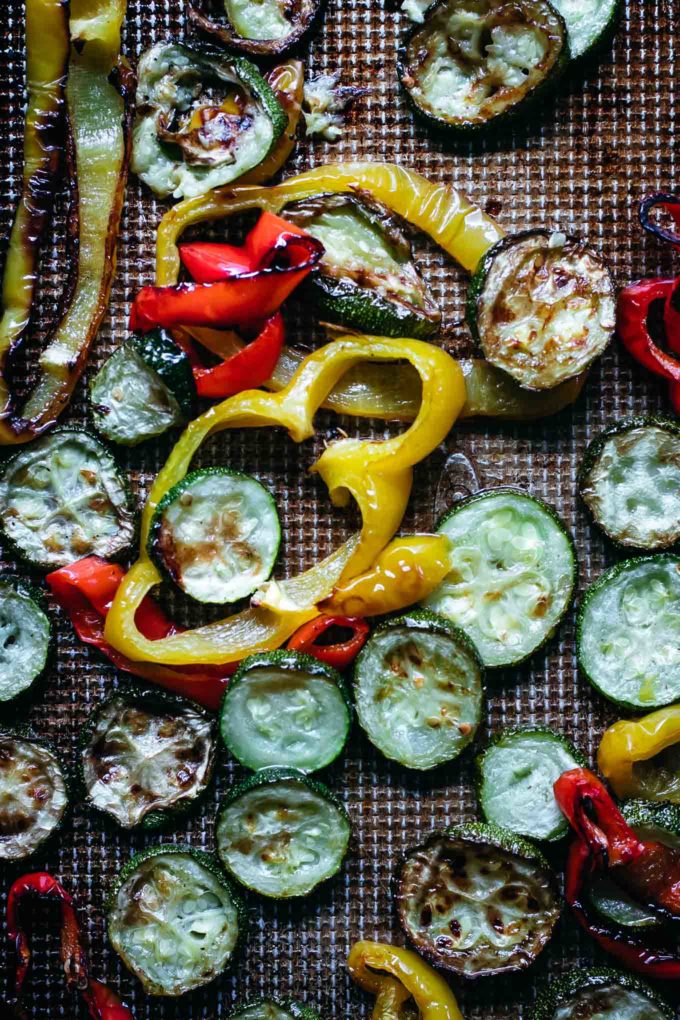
(340,655)
(86,589)
(208,262)
(649,870)
(633,329)
(102,1003)
(247,369)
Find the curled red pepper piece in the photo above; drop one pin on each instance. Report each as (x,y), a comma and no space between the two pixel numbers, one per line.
(671,203)
(649,870)
(634,306)
(209,262)
(85,590)
(339,655)
(246,369)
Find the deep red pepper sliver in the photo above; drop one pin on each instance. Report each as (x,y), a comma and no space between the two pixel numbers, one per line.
(246,369)
(209,262)
(633,308)
(341,655)
(104,1004)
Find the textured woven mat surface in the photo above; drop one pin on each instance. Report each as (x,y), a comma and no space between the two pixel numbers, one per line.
(607,139)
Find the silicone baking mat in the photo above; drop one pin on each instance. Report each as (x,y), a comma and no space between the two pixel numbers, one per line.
(581,165)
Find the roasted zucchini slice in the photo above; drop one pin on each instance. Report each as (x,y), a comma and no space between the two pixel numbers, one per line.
(174,919)
(202,120)
(62,498)
(216,534)
(265,28)
(367,278)
(601,994)
(628,632)
(283,708)
(630,482)
(25,637)
(513,570)
(542,306)
(515,778)
(477,900)
(419,690)
(33,794)
(274,1009)
(281,833)
(145,388)
(590,23)
(146,755)
(472,63)
(659,822)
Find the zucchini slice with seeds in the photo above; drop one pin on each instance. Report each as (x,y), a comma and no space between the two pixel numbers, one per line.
(475,63)
(367,278)
(25,637)
(264,28)
(145,388)
(660,822)
(202,120)
(628,632)
(477,900)
(513,570)
(630,482)
(33,794)
(146,755)
(174,919)
(281,833)
(274,1009)
(542,306)
(590,23)
(284,708)
(600,994)
(419,690)
(216,534)
(62,498)
(515,778)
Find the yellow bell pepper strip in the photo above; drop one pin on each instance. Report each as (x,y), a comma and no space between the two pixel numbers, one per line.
(377,475)
(630,742)
(46,72)
(397,977)
(99,104)
(406,571)
(287,82)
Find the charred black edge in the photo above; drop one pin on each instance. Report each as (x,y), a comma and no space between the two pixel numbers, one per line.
(265,49)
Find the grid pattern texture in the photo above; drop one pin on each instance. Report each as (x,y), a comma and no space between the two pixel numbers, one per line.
(581,164)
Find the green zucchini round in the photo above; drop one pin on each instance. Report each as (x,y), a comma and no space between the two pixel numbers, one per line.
(280,833)
(513,571)
(284,708)
(216,534)
(600,994)
(628,632)
(515,778)
(273,1009)
(25,637)
(659,822)
(630,482)
(34,794)
(477,900)
(419,690)
(174,919)
(268,28)
(542,306)
(590,24)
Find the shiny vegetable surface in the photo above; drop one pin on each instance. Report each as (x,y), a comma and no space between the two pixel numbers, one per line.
(401,980)
(340,654)
(600,994)
(641,757)
(25,637)
(267,28)
(635,304)
(33,794)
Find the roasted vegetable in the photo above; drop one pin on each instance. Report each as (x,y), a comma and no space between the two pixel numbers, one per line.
(273,1009)
(25,637)
(33,794)
(641,757)
(325,102)
(400,981)
(339,655)
(600,994)
(174,919)
(202,120)
(634,310)
(542,307)
(477,900)
(660,821)
(590,23)
(263,28)
(472,63)
(64,497)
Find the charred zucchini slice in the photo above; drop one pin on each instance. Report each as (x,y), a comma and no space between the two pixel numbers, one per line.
(146,756)
(630,482)
(628,632)
(63,497)
(367,279)
(600,994)
(513,569)
(590,23)
(477,900)
(418,686)
(25,637)
(274,1009)
(145,388)
(515,778)
(202,120)
(216,534)
(174,919)
(472,63)
(660,822)
(281,833)
(33,795)
(542,306)
(283,708)
(265,28)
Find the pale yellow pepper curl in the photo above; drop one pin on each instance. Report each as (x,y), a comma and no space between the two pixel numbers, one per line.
(398,976)
(630,744)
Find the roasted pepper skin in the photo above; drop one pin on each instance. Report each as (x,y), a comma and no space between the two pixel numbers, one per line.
(395,976)
(630,741)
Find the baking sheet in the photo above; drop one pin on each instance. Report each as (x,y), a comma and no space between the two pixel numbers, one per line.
(581,165)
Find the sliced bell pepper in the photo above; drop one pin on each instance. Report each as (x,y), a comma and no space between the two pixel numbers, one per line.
(636,740)
(251,367)
(400,979)
(634,305)
(208,262)
(339,655)
(648,870)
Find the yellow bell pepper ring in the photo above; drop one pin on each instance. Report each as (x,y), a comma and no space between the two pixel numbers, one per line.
(637,740)
(397,977)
